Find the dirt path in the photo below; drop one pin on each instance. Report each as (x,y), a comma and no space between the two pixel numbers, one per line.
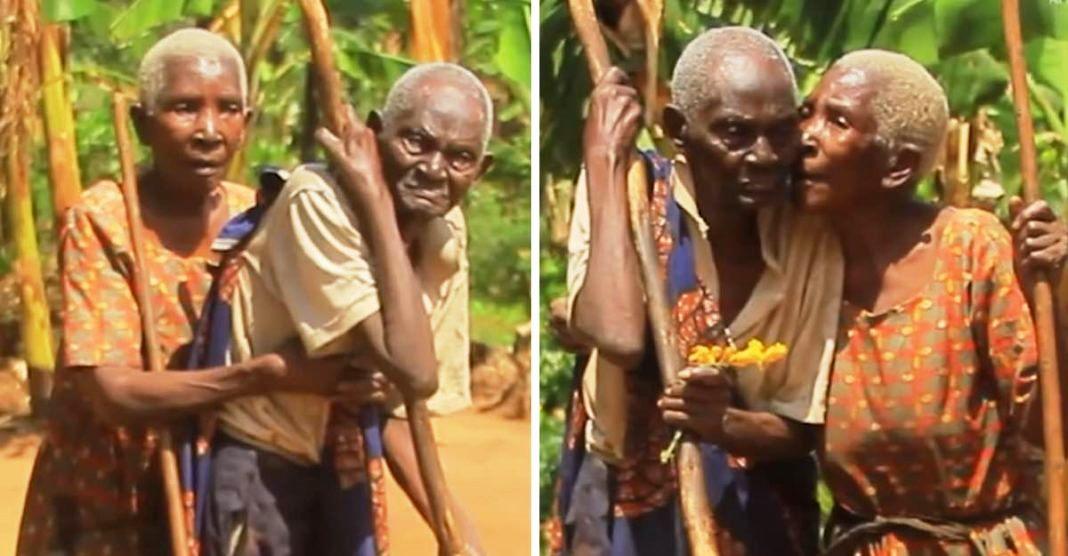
(487,462)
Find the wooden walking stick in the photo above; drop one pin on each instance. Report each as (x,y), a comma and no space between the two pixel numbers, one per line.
(697,516)
(180,542)
(1049,377)
(330,95)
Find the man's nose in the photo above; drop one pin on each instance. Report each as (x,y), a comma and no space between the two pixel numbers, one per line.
(434,166)
(762,153)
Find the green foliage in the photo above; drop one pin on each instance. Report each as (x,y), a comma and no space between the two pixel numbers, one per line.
(109,37)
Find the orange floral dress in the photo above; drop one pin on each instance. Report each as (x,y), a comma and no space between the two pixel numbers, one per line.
(927,401)
(95,488)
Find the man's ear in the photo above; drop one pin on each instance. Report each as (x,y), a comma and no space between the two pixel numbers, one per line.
(674,124)
(487,163)
(904,167)
(140,118)
(374,121)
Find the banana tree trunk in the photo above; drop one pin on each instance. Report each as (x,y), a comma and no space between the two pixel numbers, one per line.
(432,30)
(59,123)
(35,324)
(20,72)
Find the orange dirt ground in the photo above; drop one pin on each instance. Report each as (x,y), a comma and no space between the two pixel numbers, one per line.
(487,463)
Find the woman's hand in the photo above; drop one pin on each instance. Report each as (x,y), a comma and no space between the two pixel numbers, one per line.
(1040,239)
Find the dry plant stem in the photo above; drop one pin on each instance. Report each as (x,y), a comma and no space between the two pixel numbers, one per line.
(180,541)
(1042,294)
(330,96)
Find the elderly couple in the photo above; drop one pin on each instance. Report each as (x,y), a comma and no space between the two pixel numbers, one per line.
(911,364)
(338,273)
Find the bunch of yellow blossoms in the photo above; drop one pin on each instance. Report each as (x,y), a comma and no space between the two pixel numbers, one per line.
(755,353)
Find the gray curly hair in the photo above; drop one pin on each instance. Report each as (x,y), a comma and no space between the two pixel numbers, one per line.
(190,42)
(908,104)
(691,87)
(404,93)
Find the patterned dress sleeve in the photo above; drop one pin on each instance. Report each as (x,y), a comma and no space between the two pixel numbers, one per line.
(1002,322)
(100,318)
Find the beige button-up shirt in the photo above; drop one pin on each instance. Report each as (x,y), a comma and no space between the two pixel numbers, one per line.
(796,301)
(309,273)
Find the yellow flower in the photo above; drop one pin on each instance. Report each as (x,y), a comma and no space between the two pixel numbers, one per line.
(774,352)
(754,353)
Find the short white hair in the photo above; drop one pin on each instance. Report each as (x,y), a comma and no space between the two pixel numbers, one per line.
(691,85)
(404,92)
(908,104)
(190,42)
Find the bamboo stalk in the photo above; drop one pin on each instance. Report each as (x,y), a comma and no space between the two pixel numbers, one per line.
(59,124)
(181,543)
(1049,376)
(329,88)
(697,515)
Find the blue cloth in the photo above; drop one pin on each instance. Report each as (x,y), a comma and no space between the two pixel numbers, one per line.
(346,516)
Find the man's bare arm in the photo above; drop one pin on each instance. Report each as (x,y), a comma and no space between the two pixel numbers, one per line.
(609,310)
(398,338)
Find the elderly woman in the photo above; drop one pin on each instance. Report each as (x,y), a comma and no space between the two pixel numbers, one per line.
(935,369)
(96,485)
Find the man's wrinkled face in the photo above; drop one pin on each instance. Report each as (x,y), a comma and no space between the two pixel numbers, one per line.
(742,144)
(842,162)
(433,153)
(198,121)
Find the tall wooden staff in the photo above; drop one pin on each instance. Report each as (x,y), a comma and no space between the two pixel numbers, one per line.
(1042,294)
(697,514)
(330,95)
(180,542)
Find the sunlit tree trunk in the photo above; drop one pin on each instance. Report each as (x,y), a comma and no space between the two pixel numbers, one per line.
(16,114)
(432,30)
(59,123)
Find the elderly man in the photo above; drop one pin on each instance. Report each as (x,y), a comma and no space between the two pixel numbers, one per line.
(718,213)
(337,260)
(96,485)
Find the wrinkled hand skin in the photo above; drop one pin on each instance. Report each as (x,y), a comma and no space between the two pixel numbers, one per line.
(354,157)
(698,402)
(1040,239)
(614,117)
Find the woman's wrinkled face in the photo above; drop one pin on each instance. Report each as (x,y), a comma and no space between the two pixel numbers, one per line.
(842,160)
(198,121)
